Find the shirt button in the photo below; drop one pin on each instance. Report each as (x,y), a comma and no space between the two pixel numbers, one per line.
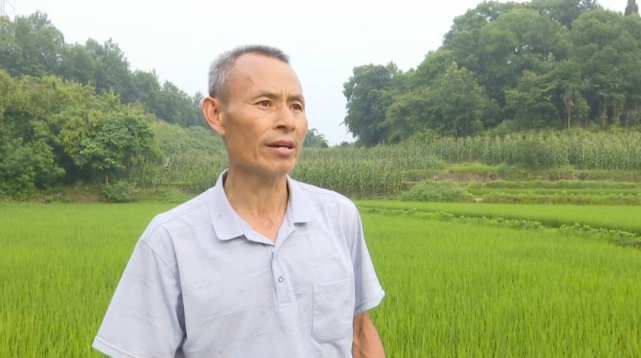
(280,279)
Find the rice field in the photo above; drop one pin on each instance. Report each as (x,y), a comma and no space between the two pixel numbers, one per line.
(627,218)
(453,290)
(558,191)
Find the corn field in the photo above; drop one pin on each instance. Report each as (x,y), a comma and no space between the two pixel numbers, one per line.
(583,150)
(354,172)
(381,171)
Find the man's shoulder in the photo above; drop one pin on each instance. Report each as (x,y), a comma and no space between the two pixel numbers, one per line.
(321,197)
(191,214)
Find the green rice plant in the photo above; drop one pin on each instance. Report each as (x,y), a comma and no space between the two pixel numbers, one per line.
(608,217)
(454,287)
(627,192)
(468,290)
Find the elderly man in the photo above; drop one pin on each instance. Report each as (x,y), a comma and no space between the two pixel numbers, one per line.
(260,265)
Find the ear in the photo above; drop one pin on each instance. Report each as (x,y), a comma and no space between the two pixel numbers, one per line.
(212,110)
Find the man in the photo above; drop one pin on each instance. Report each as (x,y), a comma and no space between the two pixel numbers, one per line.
(260,265)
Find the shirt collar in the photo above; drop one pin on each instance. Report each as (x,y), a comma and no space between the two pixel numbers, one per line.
(228,224)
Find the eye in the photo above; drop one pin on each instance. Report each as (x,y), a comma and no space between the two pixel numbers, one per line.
(264,103)
(297,107)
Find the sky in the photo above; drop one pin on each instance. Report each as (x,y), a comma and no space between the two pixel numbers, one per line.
(324,39)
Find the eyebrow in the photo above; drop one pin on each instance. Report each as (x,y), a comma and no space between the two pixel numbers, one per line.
(275,96)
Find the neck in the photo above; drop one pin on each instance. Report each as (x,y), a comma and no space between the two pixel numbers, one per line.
(255,196)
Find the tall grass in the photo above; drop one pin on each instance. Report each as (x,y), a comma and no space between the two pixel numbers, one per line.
(381,171)
(582,149)
(367,173)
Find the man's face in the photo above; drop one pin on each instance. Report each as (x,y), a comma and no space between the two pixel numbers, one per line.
(262,116)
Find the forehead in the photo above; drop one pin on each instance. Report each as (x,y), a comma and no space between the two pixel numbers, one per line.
(255,72)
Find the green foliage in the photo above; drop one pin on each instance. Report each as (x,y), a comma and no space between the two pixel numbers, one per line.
(54,131)
(445,269)
(383,171)
(121,141)
(543,64)
(176,140)
(561,199)
(631,8)
(426,193)
(313,139)
(618,217)
(368,97)
(531,154)
(120,192)
(560,184)
(33,46)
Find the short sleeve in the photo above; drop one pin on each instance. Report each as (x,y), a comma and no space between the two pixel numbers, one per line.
(369,292)
(145,317)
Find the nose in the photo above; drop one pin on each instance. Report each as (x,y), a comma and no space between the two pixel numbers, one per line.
(285,119)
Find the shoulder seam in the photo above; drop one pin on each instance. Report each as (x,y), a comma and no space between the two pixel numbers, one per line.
(173,217)
(161,260)
(322,191)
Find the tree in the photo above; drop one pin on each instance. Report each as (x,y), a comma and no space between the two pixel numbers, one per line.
(369,93)
(609,54)
(410,113)
(25,164)
(461,103)
(123,139)
(564,11)
(632,8)
(313,139)
(533,101)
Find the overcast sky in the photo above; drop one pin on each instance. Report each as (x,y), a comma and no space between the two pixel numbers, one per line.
(325,39)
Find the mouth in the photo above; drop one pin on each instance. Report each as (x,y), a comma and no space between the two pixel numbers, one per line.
(282,147)
(282,144)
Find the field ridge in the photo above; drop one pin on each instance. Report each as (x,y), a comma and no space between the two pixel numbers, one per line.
(617,237)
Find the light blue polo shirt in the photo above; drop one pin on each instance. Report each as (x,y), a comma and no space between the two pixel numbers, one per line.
(202,284)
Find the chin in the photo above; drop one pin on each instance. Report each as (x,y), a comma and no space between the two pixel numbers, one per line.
(280,169)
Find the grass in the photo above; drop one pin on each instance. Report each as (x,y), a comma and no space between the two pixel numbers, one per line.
(558,191)
(608,217)
(59,266)
(459,290)
(453,289)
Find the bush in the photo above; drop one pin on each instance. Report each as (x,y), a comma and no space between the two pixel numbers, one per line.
(530,154)
(121,192)
(425,193)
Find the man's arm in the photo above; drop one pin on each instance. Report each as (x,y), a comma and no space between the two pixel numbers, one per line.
(367,343)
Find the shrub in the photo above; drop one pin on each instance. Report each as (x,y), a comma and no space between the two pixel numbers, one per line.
(426,194)
(121,192)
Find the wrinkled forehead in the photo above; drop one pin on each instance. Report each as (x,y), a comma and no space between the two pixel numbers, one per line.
(256,73)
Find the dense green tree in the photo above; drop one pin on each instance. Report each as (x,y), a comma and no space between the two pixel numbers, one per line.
(52,129)
(564,11)
(313,139)
(122,140)
(461,103)
(32,46)
(632,8)
(539,64)
(411,112)
(610,57)
(369,93)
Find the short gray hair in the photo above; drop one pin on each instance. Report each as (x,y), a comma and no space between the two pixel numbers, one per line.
(221,69)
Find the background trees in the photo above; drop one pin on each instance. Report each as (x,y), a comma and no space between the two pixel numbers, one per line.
(539,64)
(76,112)
(32,46)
